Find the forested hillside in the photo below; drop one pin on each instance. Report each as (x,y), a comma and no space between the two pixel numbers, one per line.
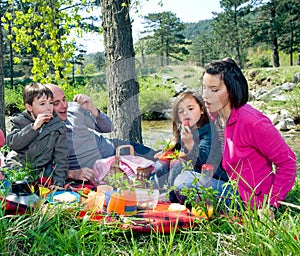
(194,29)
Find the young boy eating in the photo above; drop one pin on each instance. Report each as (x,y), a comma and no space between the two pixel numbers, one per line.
(38,137)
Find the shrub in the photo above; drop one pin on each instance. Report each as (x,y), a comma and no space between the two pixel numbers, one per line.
(293,104)
(155,97)
(13,100)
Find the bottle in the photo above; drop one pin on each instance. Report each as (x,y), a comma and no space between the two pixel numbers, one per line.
(206,175)
(206,181)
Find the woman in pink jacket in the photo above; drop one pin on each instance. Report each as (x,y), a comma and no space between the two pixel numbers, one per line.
(251,143)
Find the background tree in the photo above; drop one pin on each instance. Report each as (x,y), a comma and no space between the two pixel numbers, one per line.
(165,36)
(203,49)
(99,61)
(230,29)
(77,59)
(204,45)
(270,25)
(141,48)
(274,28)
(121,75)
(42,28)
(3,6)
(289,27)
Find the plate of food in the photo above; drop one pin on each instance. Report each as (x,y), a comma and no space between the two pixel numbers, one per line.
(63,196)
(84,192)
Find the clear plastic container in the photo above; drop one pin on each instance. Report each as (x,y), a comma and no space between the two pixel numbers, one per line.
(147,198)
(206,175)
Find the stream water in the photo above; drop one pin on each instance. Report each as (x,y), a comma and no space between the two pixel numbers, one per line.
(154,132)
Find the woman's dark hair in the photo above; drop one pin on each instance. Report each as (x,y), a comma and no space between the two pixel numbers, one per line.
(35,90)
(234,79)
(187,94)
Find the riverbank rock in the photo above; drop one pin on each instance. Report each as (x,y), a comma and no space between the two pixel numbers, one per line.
(283,121)
(297,78)
(288,86)
(275,93)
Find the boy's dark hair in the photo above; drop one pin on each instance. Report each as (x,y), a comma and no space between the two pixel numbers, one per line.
(234,79)
(35,90)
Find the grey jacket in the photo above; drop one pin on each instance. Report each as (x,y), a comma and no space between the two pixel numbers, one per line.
(84,135)
(42,148)
(86,142)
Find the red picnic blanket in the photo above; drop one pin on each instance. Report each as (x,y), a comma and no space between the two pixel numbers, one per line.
(13,208)
(159,220)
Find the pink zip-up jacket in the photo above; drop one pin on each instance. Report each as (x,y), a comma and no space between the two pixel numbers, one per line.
(251,145)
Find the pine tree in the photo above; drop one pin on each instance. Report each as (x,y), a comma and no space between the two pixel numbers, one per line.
(164,32)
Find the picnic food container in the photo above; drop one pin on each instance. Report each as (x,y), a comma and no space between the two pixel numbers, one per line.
(125,198)
(142,173)
(21,187)
(104,188)
(5,186)
(130,201)
(116,203)
(147,198)
(95,201)
(108,196)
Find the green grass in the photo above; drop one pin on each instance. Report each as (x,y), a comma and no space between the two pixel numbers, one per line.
(61,233)
(56,230)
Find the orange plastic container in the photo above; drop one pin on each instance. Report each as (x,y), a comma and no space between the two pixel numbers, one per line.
(116,204)
(130,202)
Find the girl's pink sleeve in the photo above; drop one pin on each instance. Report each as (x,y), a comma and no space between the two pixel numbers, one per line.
(2,138)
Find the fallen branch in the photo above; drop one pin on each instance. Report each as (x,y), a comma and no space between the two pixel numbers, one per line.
(289,205)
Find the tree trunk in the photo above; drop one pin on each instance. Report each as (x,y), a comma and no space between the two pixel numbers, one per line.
(11,59)
(291,43)
(167,52)
(275,52)
(298,62)
(237,40)
(2,108)
(123,107)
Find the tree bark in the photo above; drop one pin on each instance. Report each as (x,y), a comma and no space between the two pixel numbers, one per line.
(11,59)
(275,52)
(123,106)
(2,108)
(298,62)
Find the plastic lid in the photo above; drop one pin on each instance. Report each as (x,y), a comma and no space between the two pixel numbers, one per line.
(209,167)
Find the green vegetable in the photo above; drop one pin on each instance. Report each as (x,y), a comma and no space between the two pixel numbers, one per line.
(15,175)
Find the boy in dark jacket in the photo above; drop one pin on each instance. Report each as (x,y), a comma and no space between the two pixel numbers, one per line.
(38,136)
